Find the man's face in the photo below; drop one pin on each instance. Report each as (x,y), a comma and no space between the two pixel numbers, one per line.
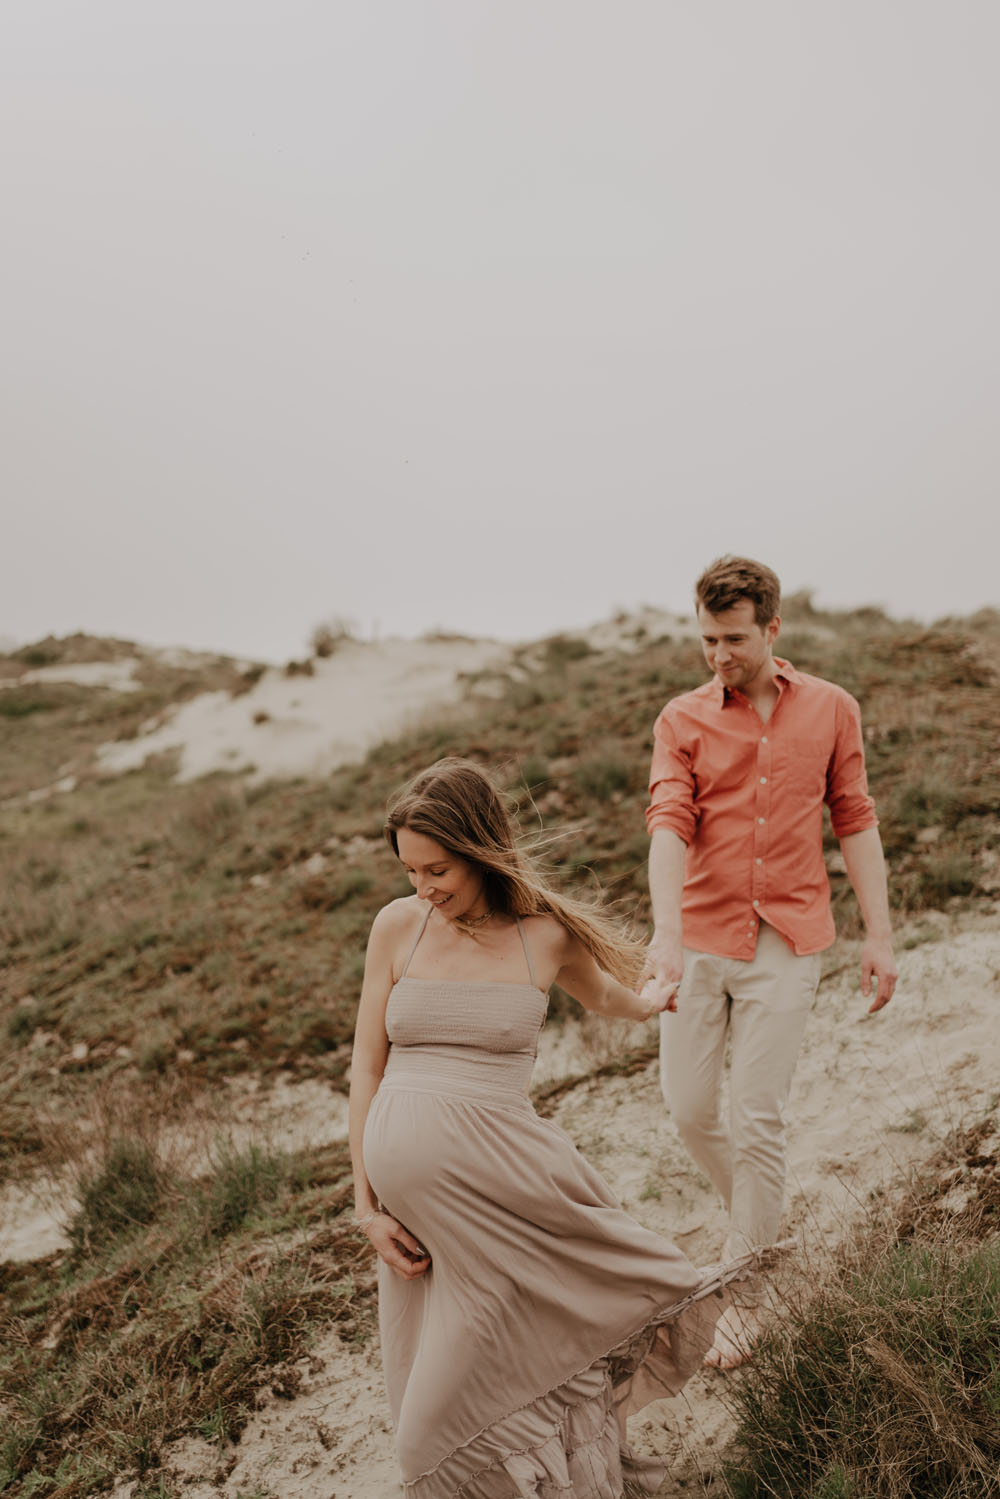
(737,648)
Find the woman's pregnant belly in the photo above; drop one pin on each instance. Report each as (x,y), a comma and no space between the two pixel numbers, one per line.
(402,1150)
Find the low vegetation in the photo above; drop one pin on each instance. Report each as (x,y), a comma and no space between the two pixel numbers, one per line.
(883,1379)
(183,1294)
(150,928)
(157,938)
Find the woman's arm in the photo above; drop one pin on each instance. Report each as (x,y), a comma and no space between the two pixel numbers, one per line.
(393,1243)
(596,990)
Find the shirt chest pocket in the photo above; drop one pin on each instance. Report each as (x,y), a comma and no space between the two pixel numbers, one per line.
(805,763)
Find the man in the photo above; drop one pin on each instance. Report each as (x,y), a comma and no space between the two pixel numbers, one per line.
(741,901)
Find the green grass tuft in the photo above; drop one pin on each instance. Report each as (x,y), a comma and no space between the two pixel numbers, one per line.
(242,1185)
(122,1194)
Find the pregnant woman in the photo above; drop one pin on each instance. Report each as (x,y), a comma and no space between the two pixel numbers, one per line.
(523,1313)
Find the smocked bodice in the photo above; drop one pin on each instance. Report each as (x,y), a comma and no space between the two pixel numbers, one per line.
(466,1035)
(465,1012)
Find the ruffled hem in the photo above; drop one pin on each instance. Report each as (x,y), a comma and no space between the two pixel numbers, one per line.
(567,1443)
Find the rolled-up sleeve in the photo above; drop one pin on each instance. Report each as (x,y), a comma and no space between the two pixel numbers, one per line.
(671,783)
(852,810)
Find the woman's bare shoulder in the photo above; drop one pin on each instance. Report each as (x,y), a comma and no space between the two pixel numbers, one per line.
(393,933)
(399,918)
(546,933)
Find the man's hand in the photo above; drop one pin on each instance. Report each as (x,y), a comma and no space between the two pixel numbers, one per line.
(878,962)
(662,973)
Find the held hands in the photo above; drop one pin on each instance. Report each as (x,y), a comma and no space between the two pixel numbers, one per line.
(878,963)
(399,1249)
(662,973)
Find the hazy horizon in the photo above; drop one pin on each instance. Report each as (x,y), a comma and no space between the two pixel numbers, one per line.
(373,636)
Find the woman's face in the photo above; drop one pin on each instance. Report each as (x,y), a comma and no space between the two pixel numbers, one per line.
(452,885)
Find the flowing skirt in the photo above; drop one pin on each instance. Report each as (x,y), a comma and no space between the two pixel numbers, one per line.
(548,1314)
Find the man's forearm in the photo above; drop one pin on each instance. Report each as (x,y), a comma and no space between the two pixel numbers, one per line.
(865,864)
(866,871)
(666,880)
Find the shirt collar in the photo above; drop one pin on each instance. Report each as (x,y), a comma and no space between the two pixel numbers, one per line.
(784,674)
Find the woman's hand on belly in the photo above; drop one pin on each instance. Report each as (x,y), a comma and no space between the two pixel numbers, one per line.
(397,1247)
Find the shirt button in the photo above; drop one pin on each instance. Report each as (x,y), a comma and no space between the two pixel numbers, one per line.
(756,904)
(763,780)
(760,819)
(758,861)
(763,739)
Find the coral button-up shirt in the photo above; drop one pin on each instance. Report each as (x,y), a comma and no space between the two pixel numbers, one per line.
(747,799)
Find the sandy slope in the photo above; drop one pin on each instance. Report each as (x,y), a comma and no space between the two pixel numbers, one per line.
(871,1097)
(307,724)
(119,676)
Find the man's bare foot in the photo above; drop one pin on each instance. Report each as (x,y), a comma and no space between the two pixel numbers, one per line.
(735,1334)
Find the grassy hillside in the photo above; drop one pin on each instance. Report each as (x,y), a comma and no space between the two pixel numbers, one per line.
(151,929)
(158,937)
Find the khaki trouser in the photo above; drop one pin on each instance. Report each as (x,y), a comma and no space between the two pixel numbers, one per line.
(762,1005)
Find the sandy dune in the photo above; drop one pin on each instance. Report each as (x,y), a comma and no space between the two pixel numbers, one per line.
(871,1097)
(367,691)
(308,718)
(305,725)
(119,676)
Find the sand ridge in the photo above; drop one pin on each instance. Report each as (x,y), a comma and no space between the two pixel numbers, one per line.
(307,722)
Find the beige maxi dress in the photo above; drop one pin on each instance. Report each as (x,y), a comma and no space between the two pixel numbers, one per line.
(547,1309)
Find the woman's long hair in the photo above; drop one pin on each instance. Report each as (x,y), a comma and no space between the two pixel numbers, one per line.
(456,804)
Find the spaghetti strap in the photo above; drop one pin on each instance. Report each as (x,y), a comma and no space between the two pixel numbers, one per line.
(409,956)
(527,954)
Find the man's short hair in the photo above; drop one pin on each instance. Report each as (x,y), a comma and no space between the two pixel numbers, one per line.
(731,579)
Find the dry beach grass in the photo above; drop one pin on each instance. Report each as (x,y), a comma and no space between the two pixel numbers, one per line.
(881,1375)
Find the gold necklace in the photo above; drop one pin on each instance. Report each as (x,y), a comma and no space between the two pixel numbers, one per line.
(472,924)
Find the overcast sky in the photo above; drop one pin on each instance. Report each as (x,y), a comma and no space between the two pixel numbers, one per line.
(492,316)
